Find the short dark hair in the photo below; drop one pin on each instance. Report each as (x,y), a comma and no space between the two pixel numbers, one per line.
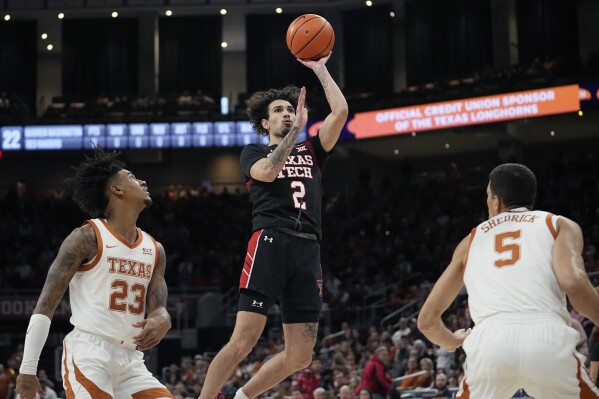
(257,105)
(91,178)
(514,184)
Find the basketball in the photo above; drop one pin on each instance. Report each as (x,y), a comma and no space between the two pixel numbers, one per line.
(310,37)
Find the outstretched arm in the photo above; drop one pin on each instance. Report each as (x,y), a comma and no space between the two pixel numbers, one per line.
(268,169)
(333,123)
(158,322)
(442,295)
(79,246)
(568,266)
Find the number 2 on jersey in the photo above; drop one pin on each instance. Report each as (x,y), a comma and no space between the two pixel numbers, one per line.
(512,246)
(299,192)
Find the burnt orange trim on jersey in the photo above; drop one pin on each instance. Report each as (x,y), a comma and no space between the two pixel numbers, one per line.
(67,383)
(121,239)
(155,247)
(152,393)
(549,221)
(90,265)
(472,233)
(465,390)
(586,392)
(94,391)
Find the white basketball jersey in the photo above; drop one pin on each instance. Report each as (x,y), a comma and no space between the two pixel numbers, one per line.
(509,268)
(108,293)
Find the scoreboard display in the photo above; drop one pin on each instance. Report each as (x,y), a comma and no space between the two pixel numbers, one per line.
(131,135)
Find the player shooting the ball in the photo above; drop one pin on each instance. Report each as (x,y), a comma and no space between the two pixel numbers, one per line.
(283,256)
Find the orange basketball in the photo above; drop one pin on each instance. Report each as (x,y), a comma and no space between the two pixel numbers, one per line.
(310,37)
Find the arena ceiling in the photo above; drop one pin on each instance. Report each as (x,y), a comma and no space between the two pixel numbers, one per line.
(91,5)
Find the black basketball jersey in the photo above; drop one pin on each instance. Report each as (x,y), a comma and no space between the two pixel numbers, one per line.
(294,199)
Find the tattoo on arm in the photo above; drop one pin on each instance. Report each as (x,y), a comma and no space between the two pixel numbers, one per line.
(277,159)
(310,332)
(323,77)
(79,245)
(157,290)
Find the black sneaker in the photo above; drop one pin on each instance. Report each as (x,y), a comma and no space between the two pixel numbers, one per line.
(225,395)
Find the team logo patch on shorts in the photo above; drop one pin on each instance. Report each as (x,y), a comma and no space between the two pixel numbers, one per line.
(257,304)
(319,285)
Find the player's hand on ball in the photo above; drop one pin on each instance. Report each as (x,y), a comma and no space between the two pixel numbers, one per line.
(460,336)
(314,64)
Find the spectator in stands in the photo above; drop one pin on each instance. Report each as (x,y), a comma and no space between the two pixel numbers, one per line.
(326,380)
(425,380)
(319,393)
(202,99)
(345,392)
(309,379)
(443,358)
(296,393)
(340,378)
(184,99)
(420,348)
(364,393)
(441,385)
(410,382)
(374,376)
(325,359)
(402,330)
(402,354)
(172,373)
(281,390)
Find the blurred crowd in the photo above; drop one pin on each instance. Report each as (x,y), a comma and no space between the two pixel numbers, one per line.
(371,363)
(13,109)
(128,107)
(385,242)
(183,104)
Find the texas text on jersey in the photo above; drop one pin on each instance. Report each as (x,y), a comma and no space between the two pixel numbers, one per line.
(294,199)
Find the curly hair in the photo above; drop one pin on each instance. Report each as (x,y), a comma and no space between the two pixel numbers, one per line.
(257,105)
(91,178)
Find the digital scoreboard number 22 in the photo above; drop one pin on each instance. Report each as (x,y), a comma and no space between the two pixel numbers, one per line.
(12,139)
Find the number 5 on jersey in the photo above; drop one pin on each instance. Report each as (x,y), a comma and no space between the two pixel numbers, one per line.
(299,192)
(508,242)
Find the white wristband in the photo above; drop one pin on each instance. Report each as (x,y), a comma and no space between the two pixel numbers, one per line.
(37,333)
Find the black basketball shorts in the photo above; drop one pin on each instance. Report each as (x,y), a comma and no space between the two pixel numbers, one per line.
(284,267)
